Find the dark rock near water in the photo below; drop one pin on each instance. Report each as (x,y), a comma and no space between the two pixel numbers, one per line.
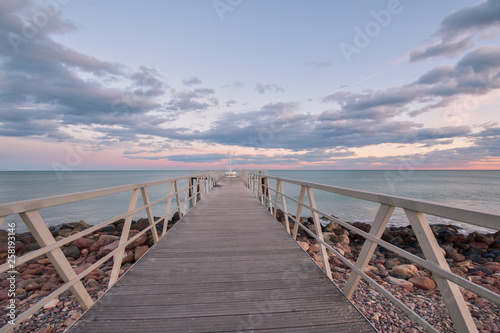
(72,251)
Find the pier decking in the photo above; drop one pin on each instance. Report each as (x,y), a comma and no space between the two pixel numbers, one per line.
(227,266)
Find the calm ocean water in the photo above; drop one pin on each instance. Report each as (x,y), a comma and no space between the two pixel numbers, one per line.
(474,190)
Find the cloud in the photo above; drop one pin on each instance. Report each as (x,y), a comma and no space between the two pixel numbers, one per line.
(457,30)
(265,88)
(318,64)
(192,81)
(192,100)
(442,48)
(477,73)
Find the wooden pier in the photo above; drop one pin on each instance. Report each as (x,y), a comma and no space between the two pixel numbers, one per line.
(227,266)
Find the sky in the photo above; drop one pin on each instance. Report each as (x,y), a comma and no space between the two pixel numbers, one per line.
(280,84)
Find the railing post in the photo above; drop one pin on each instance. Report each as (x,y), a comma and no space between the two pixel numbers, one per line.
(186,197)
(169,204)
(452,297)
(377,229)
(117,258)
(262,183)
(194,191)
(276,198)
(178,198)
(268,195)
(43,237)
(202,186)
(285,209)
(319,233)
(149,212)
(299,211)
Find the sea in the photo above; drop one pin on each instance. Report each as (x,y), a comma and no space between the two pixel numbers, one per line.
(471,189)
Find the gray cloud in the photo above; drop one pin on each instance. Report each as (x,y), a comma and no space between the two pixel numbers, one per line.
(457,29)
(316,64)
(192,100)
(265,88)
(192,81)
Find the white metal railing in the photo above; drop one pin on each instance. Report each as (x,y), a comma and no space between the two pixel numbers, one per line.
(196,186)
(434,261)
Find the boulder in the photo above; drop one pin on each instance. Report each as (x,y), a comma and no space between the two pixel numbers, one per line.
(33,286)
(314,248)
(108,239)
(399,282)
(456,257)
(108,248)
(486,239)
(344,239)
(423,282)
(391,263)
(140,251)
(138,242)
(83,267)
(97,245)
(80,223)
(83,243)
(409,270)
(304,246)
(455,238)
(72,251)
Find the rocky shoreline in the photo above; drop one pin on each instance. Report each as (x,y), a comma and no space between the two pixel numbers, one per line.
(474,256)
(38,277)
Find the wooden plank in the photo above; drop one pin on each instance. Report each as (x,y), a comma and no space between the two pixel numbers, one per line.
(227,266)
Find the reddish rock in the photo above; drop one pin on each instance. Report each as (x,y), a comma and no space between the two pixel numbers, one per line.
(83,243)
(423,282)
(456,257)
(314,248)
(4,294)
(49,286)
(44,261)
(457,272)
(391,263)
(482,246)
(32,286)
(304,245)
(399,282)
(97,245)
(80,223)
(492,288)
(34,271)
(486,239)
(408,270)
(140,251)
(455,238)
(83,267)
(138,242)
(108,239)
(128,258)
(493,267)
(344,247)
(334,261)
(45,329)
(108,248)
(344,239)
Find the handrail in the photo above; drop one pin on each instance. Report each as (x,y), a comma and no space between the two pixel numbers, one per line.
(435,262)
(197,185)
